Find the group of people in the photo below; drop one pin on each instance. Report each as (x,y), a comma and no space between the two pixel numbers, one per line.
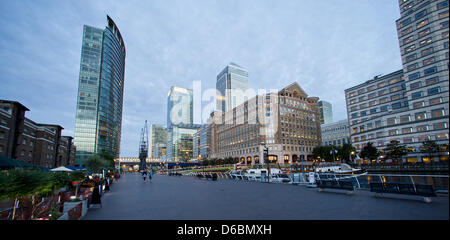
(147,174)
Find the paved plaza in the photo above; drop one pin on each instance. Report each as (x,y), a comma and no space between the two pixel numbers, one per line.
(189,198)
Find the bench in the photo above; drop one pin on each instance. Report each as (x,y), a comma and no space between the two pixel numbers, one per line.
(336,184)
(424,190)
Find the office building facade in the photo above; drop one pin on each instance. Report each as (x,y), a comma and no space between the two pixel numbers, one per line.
(419,111)
(286,122)
(180,127)
(158,140)
(231,86)
(98,120)
(336,134)
(326,112)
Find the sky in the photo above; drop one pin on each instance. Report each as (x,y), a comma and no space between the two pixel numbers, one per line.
(326,46)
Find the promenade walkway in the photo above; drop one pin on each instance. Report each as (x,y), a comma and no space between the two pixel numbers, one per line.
(188,198)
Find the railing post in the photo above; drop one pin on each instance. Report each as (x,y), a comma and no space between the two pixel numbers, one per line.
(357,181)
(414,185)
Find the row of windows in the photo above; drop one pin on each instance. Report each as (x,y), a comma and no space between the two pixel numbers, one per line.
(401,120)
(405,140)
(373,87)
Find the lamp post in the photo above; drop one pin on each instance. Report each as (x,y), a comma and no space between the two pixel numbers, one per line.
(266,158)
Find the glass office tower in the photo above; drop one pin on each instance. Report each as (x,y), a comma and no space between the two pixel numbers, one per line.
(98,119)
(179,120)
(326,112)
(158,139)
(231,85)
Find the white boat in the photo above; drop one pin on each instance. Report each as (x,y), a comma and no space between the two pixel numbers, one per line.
(280,178)
(339,169)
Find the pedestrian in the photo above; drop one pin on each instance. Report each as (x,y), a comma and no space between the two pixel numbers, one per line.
(150,175)
(144,174)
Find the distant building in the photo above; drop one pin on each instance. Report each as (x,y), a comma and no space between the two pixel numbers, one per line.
(202,142)
(180,127)
(326,112)
(35,143)
(336,133)
(287,122)
(158,141)
(98,121)
(232,83)
(180,140)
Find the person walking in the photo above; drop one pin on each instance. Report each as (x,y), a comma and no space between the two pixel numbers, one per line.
(150,174)
(144,174)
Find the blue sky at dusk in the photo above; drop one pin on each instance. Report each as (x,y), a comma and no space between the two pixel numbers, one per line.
(325,46)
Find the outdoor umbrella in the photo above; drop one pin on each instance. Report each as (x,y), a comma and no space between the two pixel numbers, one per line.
(60,169)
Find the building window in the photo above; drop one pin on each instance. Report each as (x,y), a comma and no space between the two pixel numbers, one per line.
(378,124)
(424,32)
(420,116)
(404,22)
(381,84)
(354,115)
(434,90)
(437,113)
(441,136)
(441,125)
(444,35)
(418,104)
(390,121)
(364,105)
(444,25)
(411,57)
(443,14)
(373,110)
(415,85)
(428,61)
(420,14)
(435,100)
(408,40)
(427,51)
(432,80)
(383,100)
(382,92)
(410,48)
(396,105)
(392,132)
(412,67)
(404,119)
(363,113)
(442,4)
(422,23)
(384,108)
(414,76)
(406,31)
(417,95)
(425,42)
(372,103)
(422,128)
(429,71)
(407,140)
(396,97)
(395,80)
(406,130)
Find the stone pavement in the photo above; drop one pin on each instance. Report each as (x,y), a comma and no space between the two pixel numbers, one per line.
(188,198)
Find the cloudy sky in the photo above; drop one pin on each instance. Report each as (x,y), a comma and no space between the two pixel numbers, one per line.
(324,45)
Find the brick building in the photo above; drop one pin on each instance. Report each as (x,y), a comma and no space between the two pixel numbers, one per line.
(35,143)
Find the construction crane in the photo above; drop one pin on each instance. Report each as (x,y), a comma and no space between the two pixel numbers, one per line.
(143,148)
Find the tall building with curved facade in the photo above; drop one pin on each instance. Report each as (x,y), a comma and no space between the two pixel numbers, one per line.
(98,120)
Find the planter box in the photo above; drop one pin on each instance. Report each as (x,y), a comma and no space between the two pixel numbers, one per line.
(70,205)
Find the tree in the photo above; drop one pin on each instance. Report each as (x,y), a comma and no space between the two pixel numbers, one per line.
(96,164)
(369,151)
(108,158)
(22,184)
(345,151)
(429,147)
(395,151)
(324,152)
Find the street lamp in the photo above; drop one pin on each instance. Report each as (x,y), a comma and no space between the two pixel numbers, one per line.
(266,159)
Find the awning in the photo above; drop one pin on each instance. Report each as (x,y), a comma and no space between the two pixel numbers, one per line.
(6,162)
(61,169)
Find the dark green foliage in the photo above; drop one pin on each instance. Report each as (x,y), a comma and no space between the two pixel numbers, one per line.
(395,151)
(369,151)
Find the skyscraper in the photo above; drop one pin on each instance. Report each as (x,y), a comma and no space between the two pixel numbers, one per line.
(326,112)
(180,129)
(158,141)
(231,85)
(98,120)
